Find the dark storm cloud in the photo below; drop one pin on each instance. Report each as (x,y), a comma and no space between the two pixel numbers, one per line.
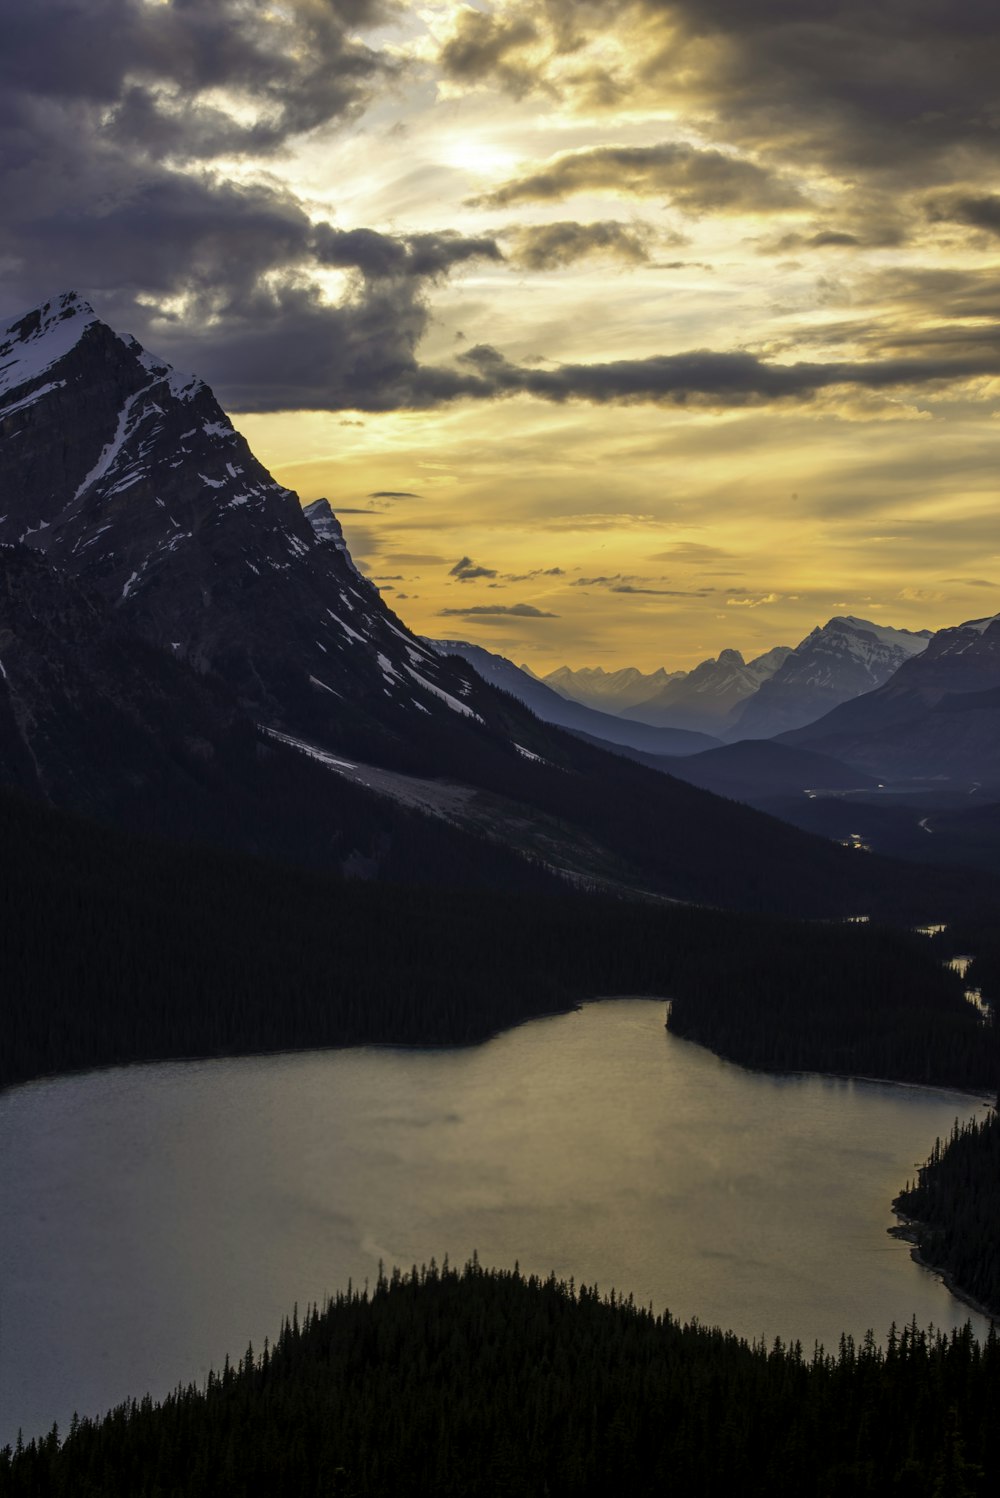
(484,48)
(978,212)
(100,102)
(698,180)
(465,570)
(383,256)
(295,66)
(721,379)
(498,610)
(549,246)
(890,87)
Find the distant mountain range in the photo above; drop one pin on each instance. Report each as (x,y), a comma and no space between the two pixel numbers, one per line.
(731,698)
(710,696)
(183,649)
(611,691)
(552,707)
(700,701)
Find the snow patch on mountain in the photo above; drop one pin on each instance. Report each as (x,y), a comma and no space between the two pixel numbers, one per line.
(33,343)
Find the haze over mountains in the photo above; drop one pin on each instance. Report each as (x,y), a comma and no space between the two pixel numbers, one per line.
(281,704)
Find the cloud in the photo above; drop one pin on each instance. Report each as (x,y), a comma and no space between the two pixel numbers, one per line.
(698,180)
(388,257)
(524,577)
(618,583)
(752,600)
(484,48)
(689,551)
(466,570)
(706,377)
(497,610)
(662,592)
(978,212)
(599,520)
(892,95)
(550,246)
(119,122)
(393,494)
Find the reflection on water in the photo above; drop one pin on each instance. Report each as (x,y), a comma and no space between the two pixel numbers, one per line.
(158,1217)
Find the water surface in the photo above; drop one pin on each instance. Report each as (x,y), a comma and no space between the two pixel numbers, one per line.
(155,1218)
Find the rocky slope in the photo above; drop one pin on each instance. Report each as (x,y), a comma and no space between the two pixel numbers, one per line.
(938,715)
(835,663)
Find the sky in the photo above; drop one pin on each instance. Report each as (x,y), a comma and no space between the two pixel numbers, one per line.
(617,332)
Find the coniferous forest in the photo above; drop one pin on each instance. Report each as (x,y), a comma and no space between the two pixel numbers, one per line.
(955,1207)
(120,949)
(488,1383)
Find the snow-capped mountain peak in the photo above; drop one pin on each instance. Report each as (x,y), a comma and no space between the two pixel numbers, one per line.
(34,342)
(834,663)
(128,475)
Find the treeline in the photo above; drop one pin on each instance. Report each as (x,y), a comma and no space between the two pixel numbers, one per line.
(116,949)
(954,1206)
(488,1383)
(816,1000)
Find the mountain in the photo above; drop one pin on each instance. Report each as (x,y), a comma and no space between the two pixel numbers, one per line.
(609,691)
(937,716)
(705,698)
(551,707)
(152,498)
(841,660)
(130,484)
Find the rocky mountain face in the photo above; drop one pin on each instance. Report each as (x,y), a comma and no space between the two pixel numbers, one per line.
(608,691)
(937,715)
(704,699)
(551,707)
(130,478)
(839,661)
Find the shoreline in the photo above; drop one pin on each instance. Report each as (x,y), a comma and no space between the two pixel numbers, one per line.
(907,1230)
(572,1007)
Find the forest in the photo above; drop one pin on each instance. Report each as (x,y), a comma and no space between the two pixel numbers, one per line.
(954,1207)
(118,949)
(485,1382)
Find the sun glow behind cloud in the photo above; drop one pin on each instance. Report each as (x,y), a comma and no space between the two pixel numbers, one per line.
(598,282)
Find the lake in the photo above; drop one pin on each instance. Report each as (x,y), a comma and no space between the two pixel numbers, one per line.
(157,1217)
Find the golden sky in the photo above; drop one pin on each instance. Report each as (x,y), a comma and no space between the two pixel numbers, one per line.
(615,332)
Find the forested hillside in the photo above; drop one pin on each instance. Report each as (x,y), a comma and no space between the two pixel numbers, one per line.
(955,1207)
(487,1383)
(117,949)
